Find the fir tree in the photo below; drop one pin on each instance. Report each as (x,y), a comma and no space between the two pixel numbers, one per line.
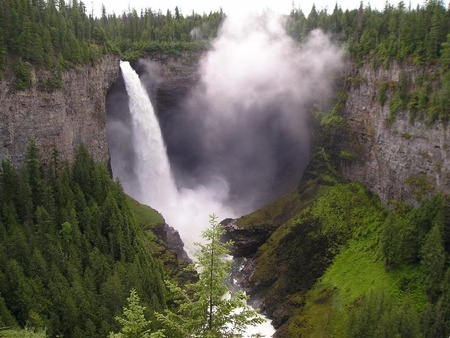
(433,262)
(133,322)
(204,309)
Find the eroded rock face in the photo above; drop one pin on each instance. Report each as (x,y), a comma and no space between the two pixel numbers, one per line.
(245,241)
(172,239)
(394,160)
(64,117)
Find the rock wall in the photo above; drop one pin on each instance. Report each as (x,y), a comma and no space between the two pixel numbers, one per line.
(63,117)
(399,160)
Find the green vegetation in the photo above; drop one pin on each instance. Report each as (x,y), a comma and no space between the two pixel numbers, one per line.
(344,266)
(382,93)
(340,264)
(54,34)
(133,322)
(204,309)
(71,248)
(395,35)
(75,252)
(396,32)
(23,75)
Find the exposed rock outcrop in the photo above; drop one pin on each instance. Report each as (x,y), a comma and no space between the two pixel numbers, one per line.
(179,76)
(63,117)
(173,242)
(398,160)
(245,240)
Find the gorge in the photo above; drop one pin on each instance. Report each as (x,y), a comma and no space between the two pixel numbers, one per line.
(328,175)
(172,85)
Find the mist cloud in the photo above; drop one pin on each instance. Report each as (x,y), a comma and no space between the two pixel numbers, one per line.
(240,139)
(250,108)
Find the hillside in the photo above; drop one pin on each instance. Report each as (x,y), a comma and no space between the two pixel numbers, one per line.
(73,245)
(333,260)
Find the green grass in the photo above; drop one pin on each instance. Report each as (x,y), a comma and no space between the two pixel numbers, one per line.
(149,219)
(350,218)
(356,271)
(272,214)
(145,215)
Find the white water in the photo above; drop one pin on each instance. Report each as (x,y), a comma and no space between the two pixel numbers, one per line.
(186,210)
(153,168)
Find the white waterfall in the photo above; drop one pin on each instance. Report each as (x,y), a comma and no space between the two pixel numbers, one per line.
(154,175)
(186,210)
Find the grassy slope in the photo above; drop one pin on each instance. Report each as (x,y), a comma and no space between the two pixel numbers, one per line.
(150,219)
(355,272)
(145,215)
(349,218)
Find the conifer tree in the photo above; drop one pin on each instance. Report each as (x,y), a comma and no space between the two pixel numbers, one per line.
(133,322)
(205,309)
(433,262)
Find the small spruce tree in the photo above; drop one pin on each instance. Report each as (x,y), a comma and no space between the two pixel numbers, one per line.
(205,308)
(133,322)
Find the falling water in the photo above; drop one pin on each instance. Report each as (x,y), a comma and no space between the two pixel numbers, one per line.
(181,208)
(155,177)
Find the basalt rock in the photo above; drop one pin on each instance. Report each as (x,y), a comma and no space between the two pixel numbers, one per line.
(395,159)
(245,240)
(58,117)
(173,242)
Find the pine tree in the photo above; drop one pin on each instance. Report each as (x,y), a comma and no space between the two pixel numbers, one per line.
(433,262)
(204,310)
(133,322)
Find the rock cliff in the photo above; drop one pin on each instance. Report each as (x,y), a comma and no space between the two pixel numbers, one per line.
(62,117)
(398,160)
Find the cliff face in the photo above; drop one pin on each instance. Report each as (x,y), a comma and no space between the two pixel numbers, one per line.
(63,117)
(398,160)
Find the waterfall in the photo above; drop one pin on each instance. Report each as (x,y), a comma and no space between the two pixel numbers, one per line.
(157,186)
(186,210)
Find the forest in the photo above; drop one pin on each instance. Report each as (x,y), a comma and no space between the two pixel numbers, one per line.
(54,33)
(70,248)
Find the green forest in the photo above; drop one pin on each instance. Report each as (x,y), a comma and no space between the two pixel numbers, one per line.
(54,33)
(71,248)
(342,264)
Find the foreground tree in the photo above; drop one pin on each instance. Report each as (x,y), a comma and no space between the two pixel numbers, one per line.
(133,322)
(205,308)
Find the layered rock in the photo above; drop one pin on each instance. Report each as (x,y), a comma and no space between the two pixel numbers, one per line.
(62,118)
(398,160)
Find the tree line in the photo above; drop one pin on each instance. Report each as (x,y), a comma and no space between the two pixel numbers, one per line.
(54,34)
(397,32)
(416,36)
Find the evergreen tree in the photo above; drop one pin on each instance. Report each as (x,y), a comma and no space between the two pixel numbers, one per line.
(433,262)
(204,309)
(133,322)
(55,263)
